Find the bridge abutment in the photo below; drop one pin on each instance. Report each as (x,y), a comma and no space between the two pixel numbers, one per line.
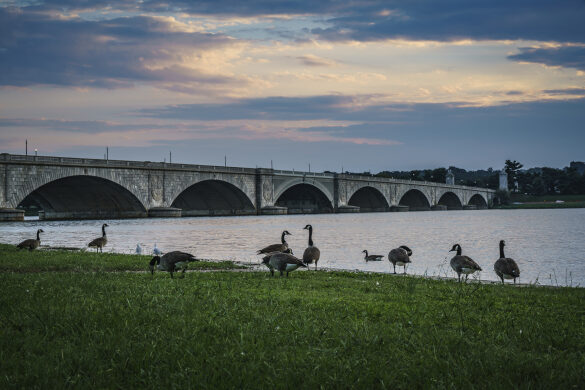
(11,215)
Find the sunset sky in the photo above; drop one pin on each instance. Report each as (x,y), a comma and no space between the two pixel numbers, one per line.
(367,85)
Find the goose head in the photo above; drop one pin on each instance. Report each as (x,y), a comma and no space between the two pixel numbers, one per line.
(455,248)
(40,231)
(155,260)
(407,249)
(502,243)
(308,227)
(286,233)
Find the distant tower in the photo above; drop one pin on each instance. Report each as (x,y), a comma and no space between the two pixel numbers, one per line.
(450,178)
(503,181)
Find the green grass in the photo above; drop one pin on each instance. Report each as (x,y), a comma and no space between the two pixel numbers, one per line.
(17,260)
(311,330)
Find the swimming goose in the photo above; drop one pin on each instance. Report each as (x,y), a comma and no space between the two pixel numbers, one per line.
(282,262)
(276,247)
(171,262)
(371,257)
(31,243)
(100,242)
(400,256)
(312,253)
(462,264)
(505,267)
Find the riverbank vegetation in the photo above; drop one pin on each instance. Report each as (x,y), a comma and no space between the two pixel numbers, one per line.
(314,329)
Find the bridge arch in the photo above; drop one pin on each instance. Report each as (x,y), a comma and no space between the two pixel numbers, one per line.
(82,197)
(416,200)
(304,198)
(451,201)
(369,199)
(478,201)
(213,197)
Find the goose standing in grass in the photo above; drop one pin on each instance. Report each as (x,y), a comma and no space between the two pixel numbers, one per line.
(462,264)
(100,242)
(312,253)
(400,256)
(505,267)
(31,243)
(171,262)
(156,251)
(282,262)
(276,247)
(372,257)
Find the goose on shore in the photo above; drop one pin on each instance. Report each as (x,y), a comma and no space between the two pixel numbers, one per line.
(100,242)
(31,243)
(312,253)
(276,247)
(282,262)
(462,264)
(505,267)
(171,262)
(400,256)
(371,257)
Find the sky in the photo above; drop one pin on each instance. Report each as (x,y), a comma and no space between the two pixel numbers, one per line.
(355,85)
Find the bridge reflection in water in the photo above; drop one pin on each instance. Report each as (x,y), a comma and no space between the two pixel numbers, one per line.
(73,188)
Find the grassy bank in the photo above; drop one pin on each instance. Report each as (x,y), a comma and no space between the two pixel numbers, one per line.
(311,330)
(544,202)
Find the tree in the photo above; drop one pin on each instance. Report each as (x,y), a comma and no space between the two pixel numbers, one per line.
(512,168)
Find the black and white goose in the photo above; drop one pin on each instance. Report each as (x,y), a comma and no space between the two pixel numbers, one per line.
(31,243)
(312,253)
(400,256)
(172,262)
(505,267)
(282,262)
(371,257)
(462,264)
(276,247)
(100,242)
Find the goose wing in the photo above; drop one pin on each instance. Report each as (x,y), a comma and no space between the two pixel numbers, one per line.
(178,257)
(273,248)
(281,260)
(398,255)
(311,254)
(506,266)
(459,262)
(27,243)
(100,241)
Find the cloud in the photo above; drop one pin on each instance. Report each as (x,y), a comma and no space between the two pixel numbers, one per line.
(563,56)
(313,60)
(39,49)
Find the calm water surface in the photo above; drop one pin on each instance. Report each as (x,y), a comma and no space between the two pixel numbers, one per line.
(548,245)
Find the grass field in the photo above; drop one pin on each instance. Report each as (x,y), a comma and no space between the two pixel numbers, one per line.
(98,329)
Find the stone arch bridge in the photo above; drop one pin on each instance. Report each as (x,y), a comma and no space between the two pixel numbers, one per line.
(79,188)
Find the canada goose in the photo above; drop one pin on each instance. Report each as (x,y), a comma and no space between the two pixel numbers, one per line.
(463,264)
(138,249)
(371,257)
(171,262)
(31,243)
(400,256)
(505,267)
(156,251)
(283,262)
(100,242)
(276,247)
(312,253)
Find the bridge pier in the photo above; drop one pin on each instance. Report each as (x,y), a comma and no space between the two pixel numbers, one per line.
(164,212)
(8,215)
(348,209)
(273,210)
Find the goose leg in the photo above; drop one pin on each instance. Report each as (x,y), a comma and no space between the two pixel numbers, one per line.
(183,273)
(394,268)
(502,277)
(272,272)
(459,277)
(404,269)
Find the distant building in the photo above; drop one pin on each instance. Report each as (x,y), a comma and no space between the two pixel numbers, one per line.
(450,178)
(579,166)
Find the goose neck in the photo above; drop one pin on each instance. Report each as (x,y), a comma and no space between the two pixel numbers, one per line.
(502,250)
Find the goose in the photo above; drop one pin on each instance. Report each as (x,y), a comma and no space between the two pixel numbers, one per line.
(462,264)
(31,243)
(156,251)
(138,249)
(312,253)
(276,247)
(100,242)
(372,257)
(505,267)
(171,262)
(283,262)
(400,256)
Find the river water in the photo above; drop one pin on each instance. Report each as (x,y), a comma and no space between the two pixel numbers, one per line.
(548,245)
